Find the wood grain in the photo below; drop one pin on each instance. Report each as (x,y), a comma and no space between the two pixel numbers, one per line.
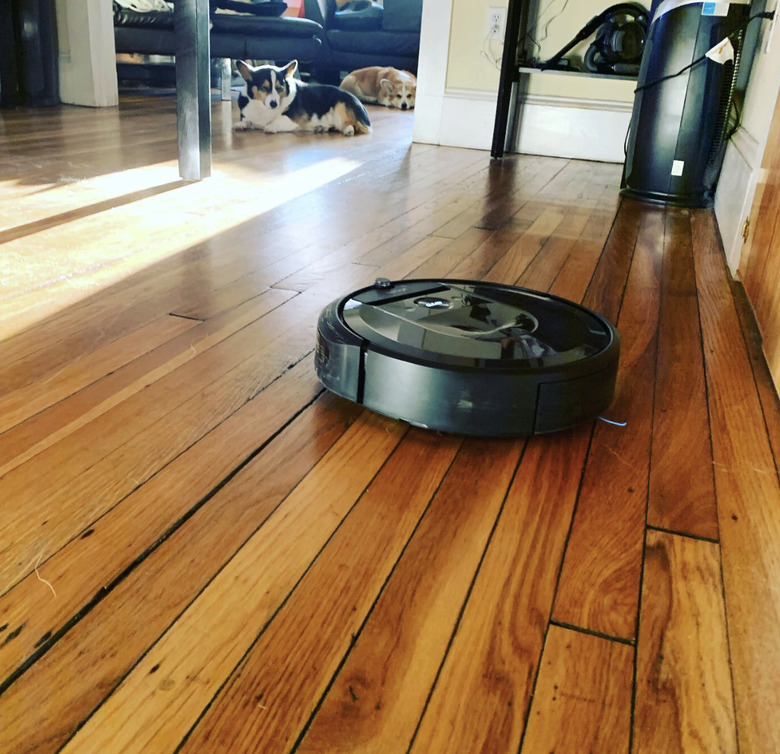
(748,495)
(179,409)
(60,383)
(153,511)
(682,493)
(513,245)
(611,504)
(379,693)
(181,526)
(51,426)
(197,655)
(582,701)
(481,697)
(283,677)
(211,564)
(684,699)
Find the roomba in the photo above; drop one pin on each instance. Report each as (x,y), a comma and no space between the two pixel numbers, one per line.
(468,357)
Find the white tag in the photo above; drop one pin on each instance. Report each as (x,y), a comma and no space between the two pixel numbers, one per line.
(715,9)
(722,52)
(677,167)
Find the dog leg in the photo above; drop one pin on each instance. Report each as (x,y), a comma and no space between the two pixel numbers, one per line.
(247,125)
(280,125)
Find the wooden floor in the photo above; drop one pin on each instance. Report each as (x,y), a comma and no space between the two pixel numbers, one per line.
(203,551)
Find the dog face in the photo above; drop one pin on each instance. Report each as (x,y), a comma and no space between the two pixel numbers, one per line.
(397,92)
(270,90)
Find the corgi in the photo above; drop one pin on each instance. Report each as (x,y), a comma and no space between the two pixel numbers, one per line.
(384,86)
(275,101)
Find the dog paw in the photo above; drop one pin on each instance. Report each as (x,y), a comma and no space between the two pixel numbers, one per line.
(349,131)
(242,125)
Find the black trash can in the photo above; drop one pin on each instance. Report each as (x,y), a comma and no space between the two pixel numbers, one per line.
(29,53)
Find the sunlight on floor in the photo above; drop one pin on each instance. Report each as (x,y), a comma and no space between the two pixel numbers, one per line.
(46,272)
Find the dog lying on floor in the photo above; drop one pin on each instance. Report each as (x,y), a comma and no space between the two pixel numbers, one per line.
(275,101)
(383,86)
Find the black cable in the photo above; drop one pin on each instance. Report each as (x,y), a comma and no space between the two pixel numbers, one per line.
(764,14)
(737,119)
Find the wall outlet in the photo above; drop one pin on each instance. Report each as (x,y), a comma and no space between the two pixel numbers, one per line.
(496,23)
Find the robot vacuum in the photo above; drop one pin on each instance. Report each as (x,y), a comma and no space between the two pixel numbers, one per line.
(468,357)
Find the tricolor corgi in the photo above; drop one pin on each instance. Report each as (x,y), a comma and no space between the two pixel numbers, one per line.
(275,101)
(386,86)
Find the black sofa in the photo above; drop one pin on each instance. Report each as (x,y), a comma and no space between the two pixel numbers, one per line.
(329,41)
(256,32)
(364,33)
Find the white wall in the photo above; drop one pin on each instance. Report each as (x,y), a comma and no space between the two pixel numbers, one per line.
(85,30)
(581,117)
(742,163)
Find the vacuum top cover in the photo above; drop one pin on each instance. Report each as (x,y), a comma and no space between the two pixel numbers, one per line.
(472,323)
(468,357)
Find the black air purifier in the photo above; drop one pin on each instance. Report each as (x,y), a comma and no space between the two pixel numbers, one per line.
(680,121)
(468,357)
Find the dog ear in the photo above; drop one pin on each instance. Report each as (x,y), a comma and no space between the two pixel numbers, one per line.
(387,85)
(290,69)
(244,69)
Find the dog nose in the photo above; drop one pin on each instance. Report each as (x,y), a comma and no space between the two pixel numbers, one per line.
(403,106)
(272,104)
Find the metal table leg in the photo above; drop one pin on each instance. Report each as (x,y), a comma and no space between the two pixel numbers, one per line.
(193,88)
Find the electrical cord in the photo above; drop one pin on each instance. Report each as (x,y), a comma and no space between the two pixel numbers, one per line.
(770,14)
(530,32)
(737,120)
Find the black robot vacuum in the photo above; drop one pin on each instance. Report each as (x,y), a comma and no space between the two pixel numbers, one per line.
(468,357)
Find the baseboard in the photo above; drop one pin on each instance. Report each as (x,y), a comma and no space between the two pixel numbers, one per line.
(556,127)
(577,129)
(734,194)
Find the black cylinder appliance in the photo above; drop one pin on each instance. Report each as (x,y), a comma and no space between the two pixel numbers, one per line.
(680,120)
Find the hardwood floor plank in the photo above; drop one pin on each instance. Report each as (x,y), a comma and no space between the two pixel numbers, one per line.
(545,267)
(748,496)
(575,275)
(68,416)
(381,238)
(521,245)
(683,502)
(142,434)
(440,264)
(482,692)
(612,501)
(65,381)
(147,515)
(403,263)
(378,695)
(182,531)
(387,251)
(106,257)
(520,256)
(607,286)
(285,674)
(210,570)
(510,192)
(684,699)
(582,701)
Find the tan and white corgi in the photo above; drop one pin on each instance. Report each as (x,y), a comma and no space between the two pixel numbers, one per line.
(382,85)
(275,101)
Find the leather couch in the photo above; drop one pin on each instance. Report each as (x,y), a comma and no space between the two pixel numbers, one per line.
(363,33)
(256,32)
